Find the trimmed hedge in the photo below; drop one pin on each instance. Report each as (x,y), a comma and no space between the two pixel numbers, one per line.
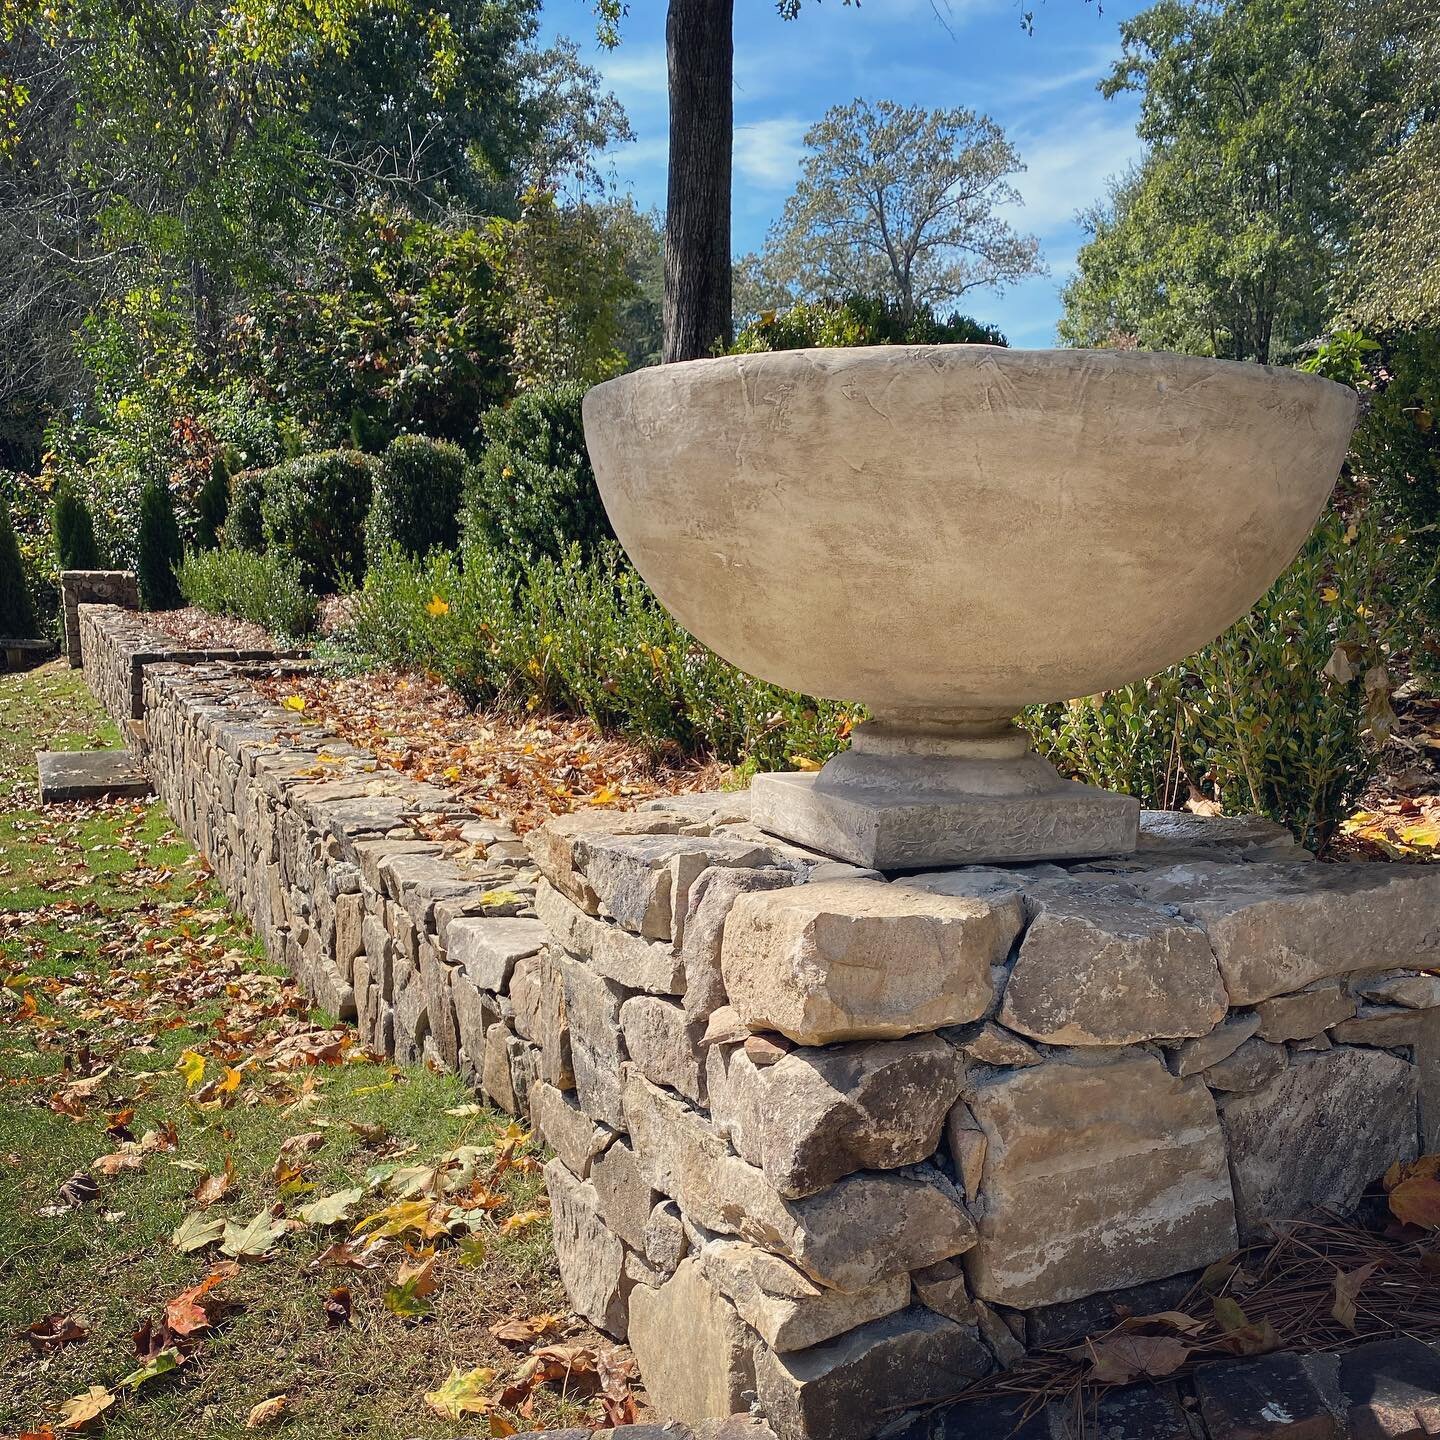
(859,320)
(75,547)
(533,493)
(419,483)
(314,508)
(159,550)
(265,589)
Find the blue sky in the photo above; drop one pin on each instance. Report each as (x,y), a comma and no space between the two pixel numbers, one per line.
(1040,88)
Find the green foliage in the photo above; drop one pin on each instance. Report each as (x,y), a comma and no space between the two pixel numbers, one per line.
(158,549)
(244,524)
(1396,450)
(562,282)
(212,504)
(1279,716)
(314,509)
(74,531)
(859,320)
(263,588)
(900,201)
(1225,237)
(394,329)
(17,614)
(589,638)
(533,492)
(417,493)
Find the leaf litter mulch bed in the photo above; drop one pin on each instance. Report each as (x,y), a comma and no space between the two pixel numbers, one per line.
(1319,1285)
(522,771)
(197,629)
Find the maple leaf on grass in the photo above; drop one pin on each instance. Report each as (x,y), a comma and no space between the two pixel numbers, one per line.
(463,1393)
(160,1363)
(215,1187)
(53,1331)
(266,1412)
(82,1410)
(331,1209)
(195,1232)
(255,1240)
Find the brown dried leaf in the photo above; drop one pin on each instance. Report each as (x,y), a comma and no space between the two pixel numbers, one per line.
(1416,1201)
(1348,1285)
(1123,1358)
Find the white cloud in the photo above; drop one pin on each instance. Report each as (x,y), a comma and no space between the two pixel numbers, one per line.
(1067,164)
(767,152)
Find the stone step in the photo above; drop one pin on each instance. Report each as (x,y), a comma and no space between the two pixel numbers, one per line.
(90,775)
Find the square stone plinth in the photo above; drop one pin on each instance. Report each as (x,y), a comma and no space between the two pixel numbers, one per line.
(90,775)
(890,831)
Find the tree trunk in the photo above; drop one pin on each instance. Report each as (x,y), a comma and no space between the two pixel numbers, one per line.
(700,49)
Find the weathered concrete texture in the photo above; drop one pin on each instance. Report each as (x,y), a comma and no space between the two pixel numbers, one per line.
(1096,1178)
(1278,928)
(854,960)
(832,1390)
(90,775)
(890,824)
(1318,1134)
(1095,969)
(692,1347)
(590,1255)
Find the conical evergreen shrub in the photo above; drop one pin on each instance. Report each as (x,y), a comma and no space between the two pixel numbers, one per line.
(212,505)
(159,550)
(75,546)
(17,615)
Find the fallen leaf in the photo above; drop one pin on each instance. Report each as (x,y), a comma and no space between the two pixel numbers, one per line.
(195,1232)
(118,1162)
(252,1241)
(80,1410)
(1348,1285)
(1417,1202)
(161,1363)
(518,1330)
(54,1331)
(266,1411)
(1123,1358)
(1242,1336)
(191,1067)
(216,1187)
(337,1306)
(331,1209)
(79,1189)
(424,1216)
(522,1221)
(463,1393)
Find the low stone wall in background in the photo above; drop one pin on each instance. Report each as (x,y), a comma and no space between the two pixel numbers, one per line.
(98,587)
(832,1139)
(116,644)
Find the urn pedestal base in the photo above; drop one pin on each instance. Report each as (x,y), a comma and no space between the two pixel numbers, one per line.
(916,793)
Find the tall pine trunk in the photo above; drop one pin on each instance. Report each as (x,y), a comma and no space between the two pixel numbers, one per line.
(700,49)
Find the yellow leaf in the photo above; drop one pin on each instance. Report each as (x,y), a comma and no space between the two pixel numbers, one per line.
(804,762)
(228,1082)
(451,772)
(437,607)
(295,703)
(266,1411)
(405,1215)
(463,1393)
(1329,594)
(80,1410)
(605,795)
(522,1221)
(191,1067)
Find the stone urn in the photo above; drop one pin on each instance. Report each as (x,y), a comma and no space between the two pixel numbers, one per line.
(948,534)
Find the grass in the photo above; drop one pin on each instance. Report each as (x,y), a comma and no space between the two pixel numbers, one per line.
(118,957)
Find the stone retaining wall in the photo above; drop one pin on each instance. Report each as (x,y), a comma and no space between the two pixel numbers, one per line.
(97,587)
(116,644)
(845,1141)
(832,1139)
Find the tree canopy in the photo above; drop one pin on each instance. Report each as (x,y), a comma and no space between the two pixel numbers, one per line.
(900,201)
(1225,239)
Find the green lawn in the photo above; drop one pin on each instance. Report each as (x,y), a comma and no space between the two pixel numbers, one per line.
(118,956)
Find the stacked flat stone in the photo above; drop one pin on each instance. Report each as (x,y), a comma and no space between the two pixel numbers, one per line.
(835,1136)
(829,1140)
(114,644)
(92,587)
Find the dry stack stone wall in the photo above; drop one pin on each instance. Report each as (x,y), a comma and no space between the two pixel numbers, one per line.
(826,1139)
(116,644)
(92,587)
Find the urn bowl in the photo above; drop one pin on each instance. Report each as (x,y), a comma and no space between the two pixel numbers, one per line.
(950,533)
